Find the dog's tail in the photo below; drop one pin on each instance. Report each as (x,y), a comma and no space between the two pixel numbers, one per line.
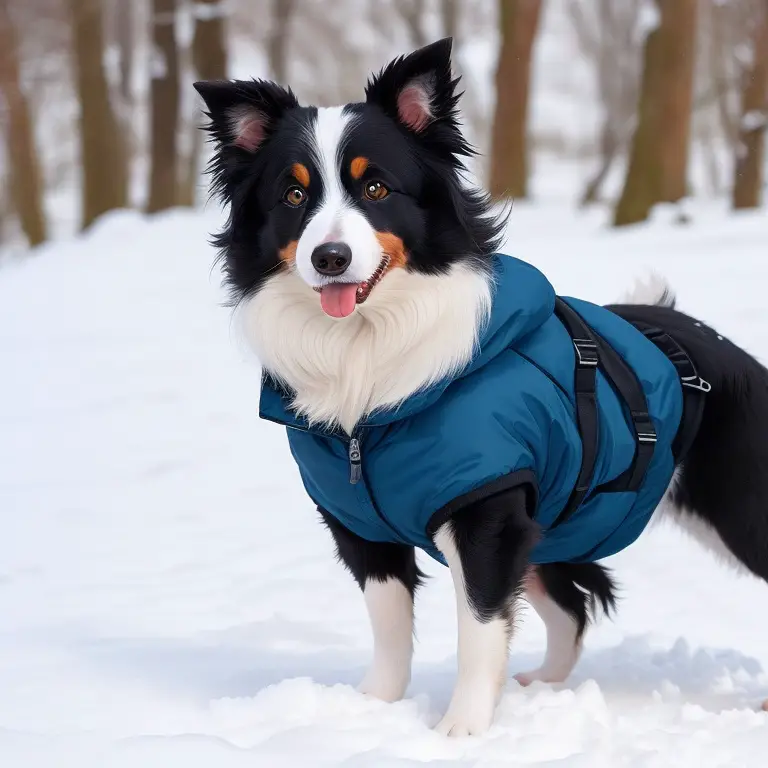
(654,290)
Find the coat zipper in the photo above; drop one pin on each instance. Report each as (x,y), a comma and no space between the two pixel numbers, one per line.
(355,460)
(355,456)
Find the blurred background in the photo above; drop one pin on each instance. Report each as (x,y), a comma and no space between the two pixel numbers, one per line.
(619,104)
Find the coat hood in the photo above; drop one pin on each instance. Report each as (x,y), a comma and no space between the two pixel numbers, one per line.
(523,299)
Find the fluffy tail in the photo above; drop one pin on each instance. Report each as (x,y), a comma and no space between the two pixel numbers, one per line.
(654,290)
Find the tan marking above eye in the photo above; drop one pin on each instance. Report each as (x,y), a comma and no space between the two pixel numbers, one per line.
(358,167)
(295,196)
(300,172)
(375,190)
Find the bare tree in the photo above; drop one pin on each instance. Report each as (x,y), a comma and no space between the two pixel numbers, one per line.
(750,147)
(102,151)
(277,43)
(22,158)
(449,10)
(209,61)
(126,44)
(412,12)
(658,160)
(607,36)
(163,176)
(519,20)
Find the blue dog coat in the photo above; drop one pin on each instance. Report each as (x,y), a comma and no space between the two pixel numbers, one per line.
(508,419)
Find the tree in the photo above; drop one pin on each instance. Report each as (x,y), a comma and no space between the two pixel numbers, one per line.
(750,147)
(163,173)
(519,21)
(23,163)
(606,33)
(209,61)
(277,43)
(412,12)
(102,151)
(658,162)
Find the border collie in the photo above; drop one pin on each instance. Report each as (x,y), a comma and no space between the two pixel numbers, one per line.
(360,261)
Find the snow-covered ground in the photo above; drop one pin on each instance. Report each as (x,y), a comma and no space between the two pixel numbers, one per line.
(167,597)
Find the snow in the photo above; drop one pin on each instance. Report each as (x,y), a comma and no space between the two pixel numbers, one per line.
(167,597)
(754,120)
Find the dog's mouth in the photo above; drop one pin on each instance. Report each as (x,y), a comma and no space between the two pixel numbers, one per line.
(340,299)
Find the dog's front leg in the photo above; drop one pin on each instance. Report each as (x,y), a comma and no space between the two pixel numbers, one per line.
(388,575)
(486,546)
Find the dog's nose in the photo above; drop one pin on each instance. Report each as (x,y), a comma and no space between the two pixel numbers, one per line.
(331,259)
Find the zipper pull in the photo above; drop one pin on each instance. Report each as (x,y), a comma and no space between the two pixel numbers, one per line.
(355,469)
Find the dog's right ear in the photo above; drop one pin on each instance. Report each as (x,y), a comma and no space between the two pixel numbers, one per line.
(243,112)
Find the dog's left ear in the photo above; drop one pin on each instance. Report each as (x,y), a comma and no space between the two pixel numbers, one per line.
(417,90)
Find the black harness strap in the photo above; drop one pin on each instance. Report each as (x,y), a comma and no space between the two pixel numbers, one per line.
(593,352)
(587,360)
(628,386)
(694,387)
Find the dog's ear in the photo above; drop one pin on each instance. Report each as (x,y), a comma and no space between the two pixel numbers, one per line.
(243,112)
(417,90)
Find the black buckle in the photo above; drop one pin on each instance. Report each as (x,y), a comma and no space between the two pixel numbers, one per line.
(586,353)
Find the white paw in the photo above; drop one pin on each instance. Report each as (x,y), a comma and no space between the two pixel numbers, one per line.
(385,686)
(467,716)
(539,676)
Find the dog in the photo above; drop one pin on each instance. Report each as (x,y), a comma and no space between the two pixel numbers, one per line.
(365,271)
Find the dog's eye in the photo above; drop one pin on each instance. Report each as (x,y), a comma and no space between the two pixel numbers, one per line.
(295,196)
(375,190)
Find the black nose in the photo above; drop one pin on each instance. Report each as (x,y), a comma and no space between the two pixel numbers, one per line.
(331,259)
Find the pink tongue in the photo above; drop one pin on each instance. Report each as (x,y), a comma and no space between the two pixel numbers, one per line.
(339,299)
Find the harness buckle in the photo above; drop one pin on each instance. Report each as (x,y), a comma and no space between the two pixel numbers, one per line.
(645,429)
(696,382)
(586,353)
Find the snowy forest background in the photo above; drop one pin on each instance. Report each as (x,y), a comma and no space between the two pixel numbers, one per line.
(643,101)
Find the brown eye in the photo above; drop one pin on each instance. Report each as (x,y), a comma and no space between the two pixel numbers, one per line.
(295,196)
(375,190)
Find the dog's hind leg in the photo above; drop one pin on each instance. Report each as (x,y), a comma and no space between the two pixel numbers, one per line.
(565,596)
(388,575)
(486,546)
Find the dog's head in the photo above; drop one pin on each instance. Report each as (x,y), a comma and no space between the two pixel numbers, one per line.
(341,198)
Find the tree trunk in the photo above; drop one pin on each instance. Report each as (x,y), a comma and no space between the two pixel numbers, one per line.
(449,10)
(102,150)
(679,58)
(163,175)
(209,60)
(126,43)
(610,144)
(23,163)
(519,21)
(277,44)
(412,12)
(659,156)
(750,148)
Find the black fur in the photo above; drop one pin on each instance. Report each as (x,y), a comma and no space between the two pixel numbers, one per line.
(373,560)
(494,538)
(580,589)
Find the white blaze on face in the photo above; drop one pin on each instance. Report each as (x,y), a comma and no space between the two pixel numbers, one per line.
(336,219)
